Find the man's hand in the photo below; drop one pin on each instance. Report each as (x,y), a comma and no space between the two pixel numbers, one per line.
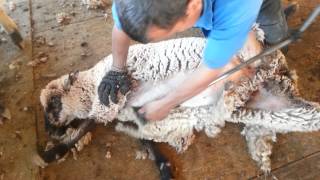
(156,110)
(111,84)
(116,79)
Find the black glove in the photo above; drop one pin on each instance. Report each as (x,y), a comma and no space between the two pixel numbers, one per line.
(111,83)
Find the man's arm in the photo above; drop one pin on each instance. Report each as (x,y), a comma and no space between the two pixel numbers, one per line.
(194,83)
(120,46)
(117,79)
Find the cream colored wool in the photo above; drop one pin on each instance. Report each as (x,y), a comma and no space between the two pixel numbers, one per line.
(160,67)
(95,4)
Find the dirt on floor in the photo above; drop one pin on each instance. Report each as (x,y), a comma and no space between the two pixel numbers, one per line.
(77,43)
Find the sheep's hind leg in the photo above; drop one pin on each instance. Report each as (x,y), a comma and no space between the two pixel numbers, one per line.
(259,142)
(161,161)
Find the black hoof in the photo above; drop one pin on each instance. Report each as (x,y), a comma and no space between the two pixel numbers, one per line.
(165,171)
(55,153)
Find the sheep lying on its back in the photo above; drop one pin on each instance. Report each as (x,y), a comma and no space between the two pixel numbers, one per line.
(266,102)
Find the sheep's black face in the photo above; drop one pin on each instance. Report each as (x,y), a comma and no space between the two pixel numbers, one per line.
(51,117)
(54,108)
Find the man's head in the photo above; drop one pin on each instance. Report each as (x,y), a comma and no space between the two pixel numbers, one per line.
(152,20)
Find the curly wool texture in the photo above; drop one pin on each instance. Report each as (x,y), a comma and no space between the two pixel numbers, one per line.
(274,78)
(95,4)
(259,142)
(154,65)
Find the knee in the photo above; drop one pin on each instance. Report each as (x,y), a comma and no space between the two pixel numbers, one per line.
(275,33)
(273,22)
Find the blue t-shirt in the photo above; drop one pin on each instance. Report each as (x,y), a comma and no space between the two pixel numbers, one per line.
(226,24)
(115,16)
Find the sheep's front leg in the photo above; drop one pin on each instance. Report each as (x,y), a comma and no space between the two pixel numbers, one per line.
(61,149)
(129,122)
(259,142)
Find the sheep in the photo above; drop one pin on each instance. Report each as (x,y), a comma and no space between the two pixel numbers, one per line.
(266,102)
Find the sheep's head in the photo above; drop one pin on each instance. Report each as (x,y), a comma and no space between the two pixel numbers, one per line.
(64,100)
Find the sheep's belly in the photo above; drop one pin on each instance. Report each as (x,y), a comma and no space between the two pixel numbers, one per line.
(148,92)
(210,96)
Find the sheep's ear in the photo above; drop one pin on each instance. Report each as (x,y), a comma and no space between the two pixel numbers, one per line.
(73,76)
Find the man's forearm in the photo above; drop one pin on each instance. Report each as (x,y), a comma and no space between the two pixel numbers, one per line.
(199,81)
(120,46)
(196,83)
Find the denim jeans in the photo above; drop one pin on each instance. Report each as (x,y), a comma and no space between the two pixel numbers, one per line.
(273,21)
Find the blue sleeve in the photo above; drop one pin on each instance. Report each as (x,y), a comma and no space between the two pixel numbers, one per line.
(232,21)
(115,16)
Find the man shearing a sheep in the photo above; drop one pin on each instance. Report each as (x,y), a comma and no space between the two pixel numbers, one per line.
(225,24)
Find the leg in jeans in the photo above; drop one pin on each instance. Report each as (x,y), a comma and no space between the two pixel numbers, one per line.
(273,22)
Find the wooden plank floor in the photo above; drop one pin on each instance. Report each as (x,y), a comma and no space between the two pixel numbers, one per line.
(80,45)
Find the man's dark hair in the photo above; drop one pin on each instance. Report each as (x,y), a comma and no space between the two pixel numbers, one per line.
(136,16)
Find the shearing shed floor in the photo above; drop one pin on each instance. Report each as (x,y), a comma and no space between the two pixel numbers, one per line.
(81,40)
